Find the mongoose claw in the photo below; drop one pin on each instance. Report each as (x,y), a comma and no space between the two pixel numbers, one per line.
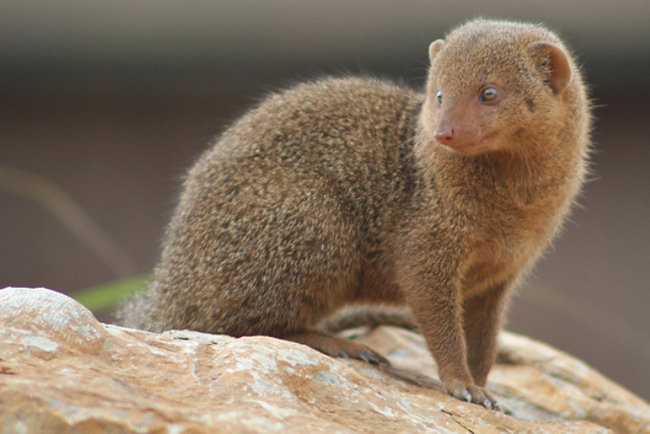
(482,397)
(365,356)
(487,403)
(465,395)
(368,356)
(373,359)
(475,394)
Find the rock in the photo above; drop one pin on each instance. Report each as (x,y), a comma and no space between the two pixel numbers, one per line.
(63,371)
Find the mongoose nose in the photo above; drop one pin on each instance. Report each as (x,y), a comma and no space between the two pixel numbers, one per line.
(444,136)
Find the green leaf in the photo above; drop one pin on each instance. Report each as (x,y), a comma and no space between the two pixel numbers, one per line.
(108,295)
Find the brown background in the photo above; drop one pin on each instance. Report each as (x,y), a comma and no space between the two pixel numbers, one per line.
(112,102)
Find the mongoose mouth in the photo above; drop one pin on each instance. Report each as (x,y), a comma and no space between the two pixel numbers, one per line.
(466,147)
(472,146)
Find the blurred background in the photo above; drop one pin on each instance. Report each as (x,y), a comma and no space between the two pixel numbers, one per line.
(105,104)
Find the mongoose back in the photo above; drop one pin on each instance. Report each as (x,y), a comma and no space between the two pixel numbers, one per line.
(356,190)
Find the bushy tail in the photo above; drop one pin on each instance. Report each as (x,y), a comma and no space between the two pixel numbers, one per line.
(135,312)
(370,316)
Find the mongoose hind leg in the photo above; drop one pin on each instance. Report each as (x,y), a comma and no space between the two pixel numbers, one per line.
(338,347)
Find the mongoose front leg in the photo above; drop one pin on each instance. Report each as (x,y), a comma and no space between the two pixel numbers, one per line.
(437,312)
(482,320)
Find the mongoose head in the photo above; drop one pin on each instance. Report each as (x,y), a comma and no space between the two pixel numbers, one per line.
(497,86)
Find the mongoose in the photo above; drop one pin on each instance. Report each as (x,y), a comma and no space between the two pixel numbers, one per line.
(356,190)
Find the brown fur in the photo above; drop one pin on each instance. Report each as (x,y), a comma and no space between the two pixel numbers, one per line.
(352,190)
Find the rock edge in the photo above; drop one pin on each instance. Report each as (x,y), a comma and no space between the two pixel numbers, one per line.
(63,371)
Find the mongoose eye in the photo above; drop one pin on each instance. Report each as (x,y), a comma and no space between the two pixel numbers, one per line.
(488,94)
(439,97)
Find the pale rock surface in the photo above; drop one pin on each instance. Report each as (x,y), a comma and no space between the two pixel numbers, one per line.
(63,371)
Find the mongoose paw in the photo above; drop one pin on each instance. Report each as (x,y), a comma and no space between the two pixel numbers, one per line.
(372,358)
(475,394)
(365,354)
(339,347)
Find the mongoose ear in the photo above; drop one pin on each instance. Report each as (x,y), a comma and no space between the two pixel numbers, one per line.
(434,48)
(559,68)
